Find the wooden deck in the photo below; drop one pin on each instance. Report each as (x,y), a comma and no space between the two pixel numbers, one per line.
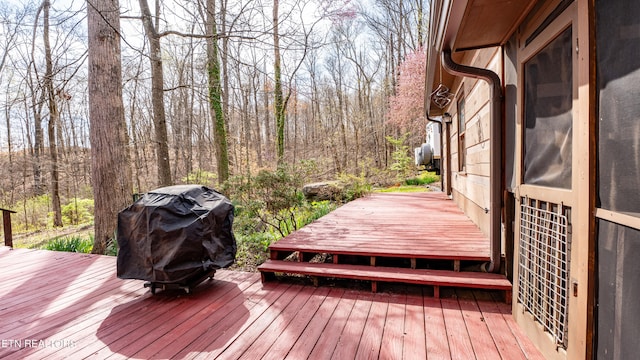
(413,238)
(62,305)
(417,225)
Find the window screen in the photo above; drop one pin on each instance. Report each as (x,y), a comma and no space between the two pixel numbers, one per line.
(548,114)
(618,257)
(618,292)
(618,62)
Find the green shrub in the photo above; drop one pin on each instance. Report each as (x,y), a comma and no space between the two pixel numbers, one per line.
(353,187)
(424,178)
(403,163)
(273,197)
(252,249)
(70,244)
(33,214)
(404,189)
(78,211)
(200,177)
(270,205)
(112,247)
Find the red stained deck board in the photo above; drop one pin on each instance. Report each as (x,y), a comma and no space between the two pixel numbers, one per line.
(219,339)
(389,274)
(483,346)
(38,271)
(113,318)
(414,344)
(42,276)
(418,225)
(393,335)
(290,335)
(43,312)
(120,326)
(123,318)
(435,330)
(329,338)
(371,340)
(195,317)
(250,335)
(347,345)
(528,349)
(309,337)
(500,331)
(457,334)
(127,331)
(93,304)
(32,293)
(261,344)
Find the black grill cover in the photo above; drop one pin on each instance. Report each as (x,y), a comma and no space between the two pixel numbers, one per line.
(173,234)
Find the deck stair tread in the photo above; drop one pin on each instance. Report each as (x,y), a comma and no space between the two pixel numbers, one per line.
(445,278)
(359,250)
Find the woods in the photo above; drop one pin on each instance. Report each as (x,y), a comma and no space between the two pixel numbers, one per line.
(103,99)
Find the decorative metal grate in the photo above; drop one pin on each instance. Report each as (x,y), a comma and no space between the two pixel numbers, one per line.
(543,265)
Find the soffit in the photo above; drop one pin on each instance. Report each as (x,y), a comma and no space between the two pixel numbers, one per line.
(488,23)
(465,25)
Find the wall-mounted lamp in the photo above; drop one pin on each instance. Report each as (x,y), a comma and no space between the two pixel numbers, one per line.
(446,117)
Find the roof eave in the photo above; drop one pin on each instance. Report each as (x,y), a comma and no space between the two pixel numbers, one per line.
(462,25)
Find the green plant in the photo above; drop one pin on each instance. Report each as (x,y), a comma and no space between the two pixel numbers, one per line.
(307,170)
(275,196)
(252,249)
(200,177)
(403,163)
(353,186)
(33,214)
(404,189)
(112,246)
(78,211)
(70,244)
(313,211)
(423,178)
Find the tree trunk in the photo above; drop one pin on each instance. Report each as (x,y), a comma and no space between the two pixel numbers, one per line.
(215,95)
(267,115)
(157,97)
(7,112)
(37,101)
(110,168)
(278,105)
(53,119)
(133,113)
(256,115)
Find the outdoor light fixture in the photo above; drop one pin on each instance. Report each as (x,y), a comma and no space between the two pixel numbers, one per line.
(446,117)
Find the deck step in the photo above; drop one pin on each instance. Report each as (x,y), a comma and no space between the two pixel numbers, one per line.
(435,278)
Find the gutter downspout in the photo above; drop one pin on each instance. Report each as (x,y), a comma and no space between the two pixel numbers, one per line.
(439,122)
(495,142)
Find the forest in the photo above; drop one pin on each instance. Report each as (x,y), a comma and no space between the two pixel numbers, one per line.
(237,95)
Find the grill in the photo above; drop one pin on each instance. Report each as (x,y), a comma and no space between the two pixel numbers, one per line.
(175,237)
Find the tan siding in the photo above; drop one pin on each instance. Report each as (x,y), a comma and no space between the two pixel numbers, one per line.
(471,188)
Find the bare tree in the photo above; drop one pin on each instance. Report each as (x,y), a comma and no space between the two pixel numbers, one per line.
(215,95)
(157,93)
(111,173)
(53,118)
(279,104)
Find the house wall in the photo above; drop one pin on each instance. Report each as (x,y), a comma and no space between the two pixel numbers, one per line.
(471,186)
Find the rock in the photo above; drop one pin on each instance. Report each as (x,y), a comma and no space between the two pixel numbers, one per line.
(325,190)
